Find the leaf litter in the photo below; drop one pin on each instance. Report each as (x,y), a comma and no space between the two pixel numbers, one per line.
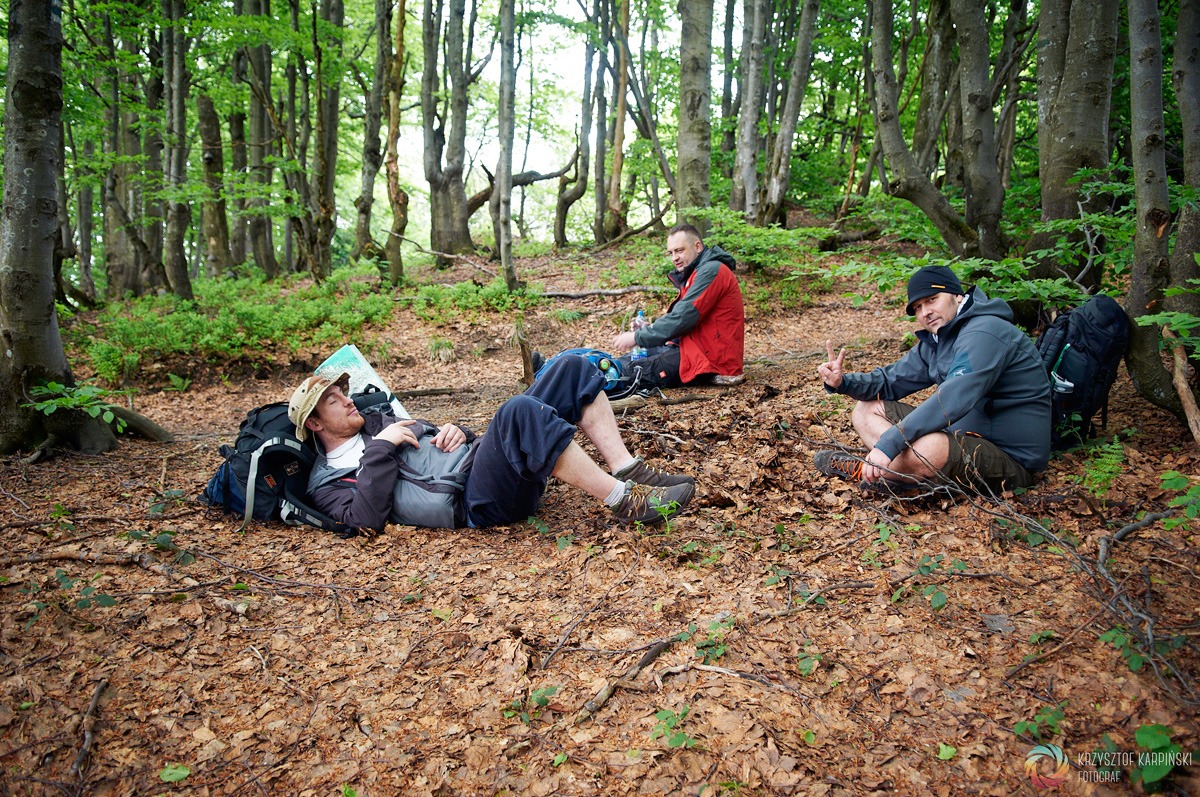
(792,618)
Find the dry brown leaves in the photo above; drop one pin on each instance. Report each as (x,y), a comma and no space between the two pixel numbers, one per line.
(284,661)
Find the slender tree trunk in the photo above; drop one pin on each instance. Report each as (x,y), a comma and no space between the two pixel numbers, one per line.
(507,123)
(728,101)
(604,34)
(614,218)
(33,352)
(179,213)
(329,94)
(694,159)
(397,196)
(372,157)
(258,58)
(571,190)
(1186,78)
(779,161)
(908,183)
(744,194)
(213,217)
(937,71)
(1151,267)
(239,165)
(150,223)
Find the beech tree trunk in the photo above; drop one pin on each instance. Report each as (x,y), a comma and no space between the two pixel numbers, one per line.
(372,154)
(743,196)
(694,158)
(33,352)
(1151,268)
(444,124)
(397,196)
(614,209)
(984,192)
(502,195)
(214,220)
(908,182)
(1186,78)
(258,58)
(572,189)
(779,160)
(1077,46)
(179,213)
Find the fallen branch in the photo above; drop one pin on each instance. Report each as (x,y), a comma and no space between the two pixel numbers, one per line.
(1106,543)
(144,561)
(607,291)
(639,230)
(1179,377)
(596,703)
(89,721)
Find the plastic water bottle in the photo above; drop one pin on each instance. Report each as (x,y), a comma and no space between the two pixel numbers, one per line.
(639,321)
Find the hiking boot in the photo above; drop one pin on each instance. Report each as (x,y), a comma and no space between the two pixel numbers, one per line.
(839,464)
(645,504)
(724,380)
(641,473)
(536,361)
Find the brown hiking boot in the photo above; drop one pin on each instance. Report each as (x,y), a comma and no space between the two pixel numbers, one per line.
(645,504)
(641,473)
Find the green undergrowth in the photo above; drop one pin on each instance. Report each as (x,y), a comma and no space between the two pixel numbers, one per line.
(253,320)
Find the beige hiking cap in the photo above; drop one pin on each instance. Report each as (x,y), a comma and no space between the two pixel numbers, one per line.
(304,399)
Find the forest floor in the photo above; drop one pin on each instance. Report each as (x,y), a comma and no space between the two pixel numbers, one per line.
(786,621)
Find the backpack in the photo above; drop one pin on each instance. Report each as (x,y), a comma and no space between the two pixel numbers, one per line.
(1082,350)
(265,472)
(620,379)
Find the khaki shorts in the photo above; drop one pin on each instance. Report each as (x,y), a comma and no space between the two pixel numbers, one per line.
(973,462)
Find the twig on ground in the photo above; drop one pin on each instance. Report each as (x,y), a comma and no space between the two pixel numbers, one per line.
(596,703)
(1106,543)
(88,721)
(144,561)
(1066,642)
(656,433)
(583,615)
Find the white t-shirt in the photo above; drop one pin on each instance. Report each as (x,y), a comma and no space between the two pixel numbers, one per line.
(348,454)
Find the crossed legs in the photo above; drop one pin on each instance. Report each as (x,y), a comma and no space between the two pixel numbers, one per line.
(923,459)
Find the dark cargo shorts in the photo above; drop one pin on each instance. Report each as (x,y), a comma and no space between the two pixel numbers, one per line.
(973,462)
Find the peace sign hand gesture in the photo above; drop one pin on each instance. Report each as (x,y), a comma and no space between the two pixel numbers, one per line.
(831,371)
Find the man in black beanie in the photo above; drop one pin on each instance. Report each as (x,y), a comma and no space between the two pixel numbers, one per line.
(986,427)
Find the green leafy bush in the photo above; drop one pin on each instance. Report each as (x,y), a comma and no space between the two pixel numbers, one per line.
(760,247)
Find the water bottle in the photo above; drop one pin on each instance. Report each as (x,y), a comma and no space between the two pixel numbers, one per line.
(610,374)
(639,321)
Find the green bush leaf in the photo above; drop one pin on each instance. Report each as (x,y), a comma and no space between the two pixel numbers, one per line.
(174,773)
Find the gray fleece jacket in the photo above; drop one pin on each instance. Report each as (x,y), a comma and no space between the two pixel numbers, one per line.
(990,382)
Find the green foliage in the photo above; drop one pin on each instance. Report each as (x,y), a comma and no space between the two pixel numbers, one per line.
(1189,501)
(932,565)
(809,660)
(53,396)
(1132,650)
(1160,758)
(1046,721)
(439,303)
(230,319)
(668,726)
(946,752)
(714,644)
(174,773)
(348,791)
(1185,325)
(761,247)
(178,384)
(530,709)
(1103,467)
(62,594)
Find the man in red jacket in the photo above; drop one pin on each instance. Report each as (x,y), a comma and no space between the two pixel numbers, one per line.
(702,335)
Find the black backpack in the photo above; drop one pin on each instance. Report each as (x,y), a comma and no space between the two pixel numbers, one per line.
(265,473)
(1082,350)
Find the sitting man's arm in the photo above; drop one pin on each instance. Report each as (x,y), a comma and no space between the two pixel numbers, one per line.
(687,310)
